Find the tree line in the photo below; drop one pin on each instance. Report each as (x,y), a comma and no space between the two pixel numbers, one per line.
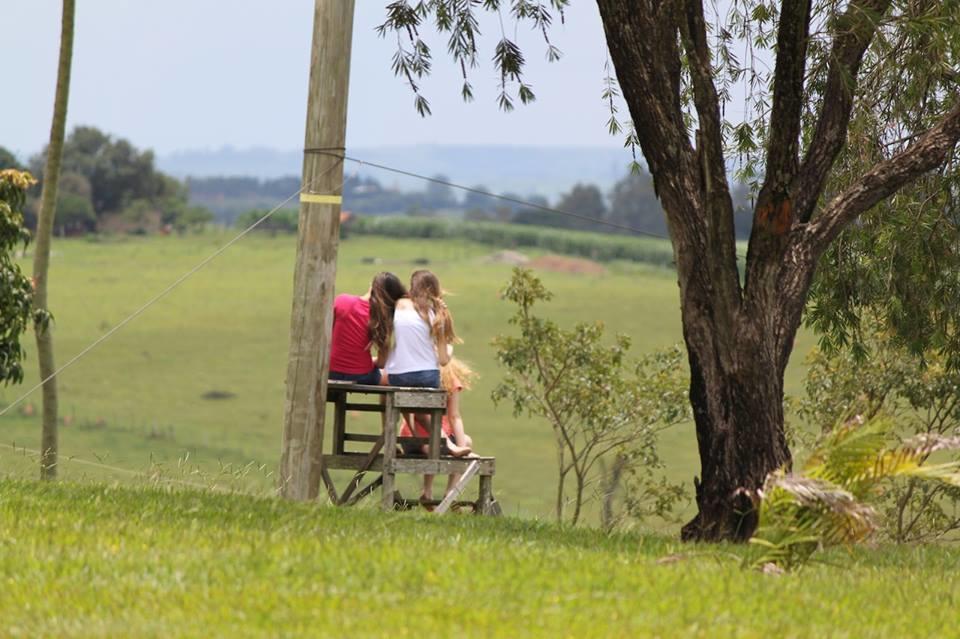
(109,185)
(630,206)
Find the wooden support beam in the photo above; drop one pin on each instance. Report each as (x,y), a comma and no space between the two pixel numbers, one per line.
(318,235)
(391,416)
(358,477)
(369,488)
(328,483)
(457,489)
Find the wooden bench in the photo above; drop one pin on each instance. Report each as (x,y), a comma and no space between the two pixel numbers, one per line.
(383,457)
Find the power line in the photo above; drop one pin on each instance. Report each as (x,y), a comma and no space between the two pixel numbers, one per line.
(498,196)
(505,198)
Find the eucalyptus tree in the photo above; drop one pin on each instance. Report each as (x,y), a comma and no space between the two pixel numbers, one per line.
(41,257)
(810,69)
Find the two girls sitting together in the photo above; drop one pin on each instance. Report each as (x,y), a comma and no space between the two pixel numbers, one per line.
(412,334)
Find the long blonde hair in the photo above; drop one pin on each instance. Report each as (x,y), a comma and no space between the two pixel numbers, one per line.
(427,296)
(455,371)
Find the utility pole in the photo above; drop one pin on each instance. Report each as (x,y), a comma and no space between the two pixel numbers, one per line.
(318,236)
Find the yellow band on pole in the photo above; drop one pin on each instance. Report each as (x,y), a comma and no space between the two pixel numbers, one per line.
(315,198)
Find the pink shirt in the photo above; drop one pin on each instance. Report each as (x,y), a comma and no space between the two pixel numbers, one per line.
(350,344)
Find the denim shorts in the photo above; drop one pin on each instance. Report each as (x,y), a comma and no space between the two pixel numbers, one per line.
(369,379)
(416,379)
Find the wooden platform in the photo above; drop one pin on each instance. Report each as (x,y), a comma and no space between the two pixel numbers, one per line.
(383,456)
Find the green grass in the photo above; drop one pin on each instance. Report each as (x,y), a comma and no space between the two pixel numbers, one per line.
(108,561)
(137,401)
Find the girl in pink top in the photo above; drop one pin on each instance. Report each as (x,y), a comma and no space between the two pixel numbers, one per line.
(361,323)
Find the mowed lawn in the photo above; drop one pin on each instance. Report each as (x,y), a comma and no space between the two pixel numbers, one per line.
(100,561)
(138,401)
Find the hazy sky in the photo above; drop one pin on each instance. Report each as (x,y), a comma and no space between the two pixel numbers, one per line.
(202,74)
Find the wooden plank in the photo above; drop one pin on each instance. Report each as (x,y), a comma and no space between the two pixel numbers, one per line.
(485,498)
(420,399)
(411,465)
(408,504)
(367,461)
(328,483)
(389,452)
(339,423)
(360,437)
(364,408)
(436,429)
(457,489)
(443,466)
(369,488)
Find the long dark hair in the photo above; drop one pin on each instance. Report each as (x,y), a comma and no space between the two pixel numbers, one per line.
(385,290)
(426,294)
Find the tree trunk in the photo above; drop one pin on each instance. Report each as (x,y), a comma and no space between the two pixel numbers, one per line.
(740,436)
(41,259)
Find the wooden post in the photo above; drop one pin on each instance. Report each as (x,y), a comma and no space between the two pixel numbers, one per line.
(389,451)
(319,228)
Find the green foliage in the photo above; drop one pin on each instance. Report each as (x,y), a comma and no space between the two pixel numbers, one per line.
(583,199)
(283,221)
(8,160)
(114,178)
(16,291)
(75,213)
(826,502)
(920,394)
(595,246)
(458,21)
(901,262)
(597,401)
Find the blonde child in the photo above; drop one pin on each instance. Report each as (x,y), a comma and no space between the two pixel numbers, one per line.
(456,376)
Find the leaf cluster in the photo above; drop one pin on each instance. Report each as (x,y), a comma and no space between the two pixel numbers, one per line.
(901,261)
(458,20)
(921,394)
(827,503)
(16,290)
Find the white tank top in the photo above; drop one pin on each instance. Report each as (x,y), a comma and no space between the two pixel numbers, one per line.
(413,346)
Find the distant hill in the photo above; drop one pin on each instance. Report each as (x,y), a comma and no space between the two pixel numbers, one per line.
(546,171)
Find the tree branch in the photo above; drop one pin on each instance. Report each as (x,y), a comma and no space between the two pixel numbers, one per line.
(928,152)
(788,99)
(643,45)
(720,236)
(854,31)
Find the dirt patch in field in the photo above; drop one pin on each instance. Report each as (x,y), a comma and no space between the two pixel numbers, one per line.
(513,258)
(563,264)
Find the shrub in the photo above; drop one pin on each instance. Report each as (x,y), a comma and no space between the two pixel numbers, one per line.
(599,403)
(919,393)
(16,291)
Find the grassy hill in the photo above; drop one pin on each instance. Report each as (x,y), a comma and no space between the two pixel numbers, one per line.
(142,401)
(107,561)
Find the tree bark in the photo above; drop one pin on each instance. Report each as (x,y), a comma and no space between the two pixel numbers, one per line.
(49,444)
(739,339)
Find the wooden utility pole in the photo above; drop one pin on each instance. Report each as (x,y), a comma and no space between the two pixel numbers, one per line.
(313,281)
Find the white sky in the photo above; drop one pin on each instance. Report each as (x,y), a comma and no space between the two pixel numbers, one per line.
(202,74)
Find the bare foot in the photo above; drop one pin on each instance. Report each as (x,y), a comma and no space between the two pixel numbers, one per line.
(458,451)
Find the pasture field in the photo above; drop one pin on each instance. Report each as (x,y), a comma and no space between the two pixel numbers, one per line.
(141,400)
(102,561)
